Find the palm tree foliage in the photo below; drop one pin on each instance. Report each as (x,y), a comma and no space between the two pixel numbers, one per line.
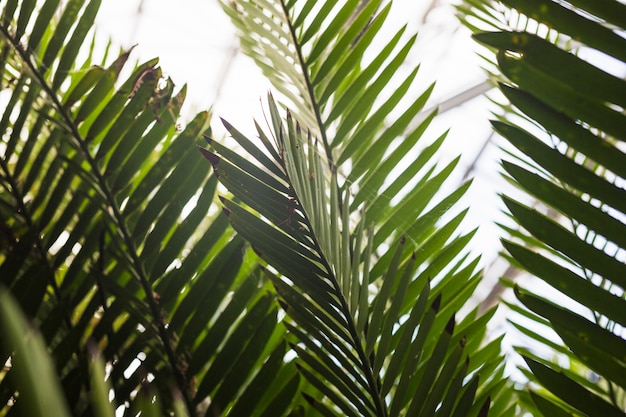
(370,285)
(128,283)
(572,163)
(98,247)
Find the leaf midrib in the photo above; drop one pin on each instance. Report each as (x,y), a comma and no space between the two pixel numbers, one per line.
(310,88)
(117,215)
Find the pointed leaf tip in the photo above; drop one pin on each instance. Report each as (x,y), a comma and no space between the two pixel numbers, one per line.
(436,303)
(227,125)
(518,292)
(213,159)
(450,325)
(308,398)
(484,410)
(208,139)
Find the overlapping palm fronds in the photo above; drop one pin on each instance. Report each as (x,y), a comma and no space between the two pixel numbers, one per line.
(564,72)
(99,245)
(369,274)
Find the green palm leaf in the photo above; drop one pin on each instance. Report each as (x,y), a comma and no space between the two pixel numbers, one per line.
(574,169)
(32,366)
(98,246)
(316,205)
(324,288)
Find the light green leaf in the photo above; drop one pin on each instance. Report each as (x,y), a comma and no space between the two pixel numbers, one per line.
(32,370)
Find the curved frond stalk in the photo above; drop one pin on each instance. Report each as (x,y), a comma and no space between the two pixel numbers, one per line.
(308,215)
(574,169)
(371,343)
(313,53)
(99,246)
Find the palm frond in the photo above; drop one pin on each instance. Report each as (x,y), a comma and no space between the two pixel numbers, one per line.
(575,171)
(99,246)
(319,263)
(359,256)
(320,70)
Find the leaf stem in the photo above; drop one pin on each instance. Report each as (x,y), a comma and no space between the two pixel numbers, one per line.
(117,217)
(373,386)
(367,368)
(23,210)
(309,84)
